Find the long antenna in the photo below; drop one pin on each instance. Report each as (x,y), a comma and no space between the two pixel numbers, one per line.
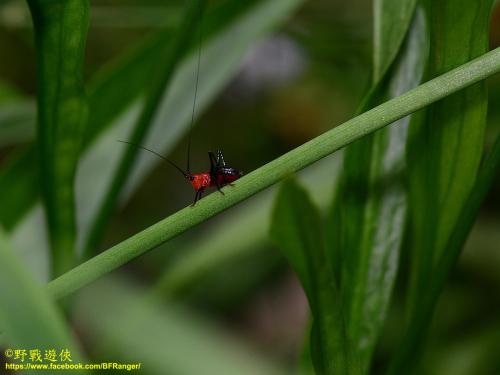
(159,155)
(195,89)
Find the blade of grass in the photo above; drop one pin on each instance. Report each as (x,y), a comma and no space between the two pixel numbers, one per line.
(391,20)
(367,216)
(274,171)
(413,337)
(297,229)
(28,317)
(60,36)
(167,65)
(487,174)
(452,134)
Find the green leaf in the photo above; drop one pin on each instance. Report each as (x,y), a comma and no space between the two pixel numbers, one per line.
(297,228)
(420,323)
(60,35)
(276,170)
(442,177)
(452,134)
(29,320)
(391,20)
(166,339)
(486,176)
(369,209)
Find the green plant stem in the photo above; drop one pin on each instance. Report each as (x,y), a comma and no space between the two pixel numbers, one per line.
(265,176)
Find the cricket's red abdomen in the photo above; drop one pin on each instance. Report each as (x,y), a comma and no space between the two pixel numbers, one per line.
(200,181)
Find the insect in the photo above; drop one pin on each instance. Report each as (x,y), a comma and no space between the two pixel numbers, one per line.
(220,173)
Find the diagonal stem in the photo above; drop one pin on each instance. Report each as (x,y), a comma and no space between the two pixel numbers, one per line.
(267,175)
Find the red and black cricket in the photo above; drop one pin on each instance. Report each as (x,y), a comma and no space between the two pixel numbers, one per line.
(220,173)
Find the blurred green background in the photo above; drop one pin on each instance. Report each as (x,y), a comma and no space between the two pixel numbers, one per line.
(303,78)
